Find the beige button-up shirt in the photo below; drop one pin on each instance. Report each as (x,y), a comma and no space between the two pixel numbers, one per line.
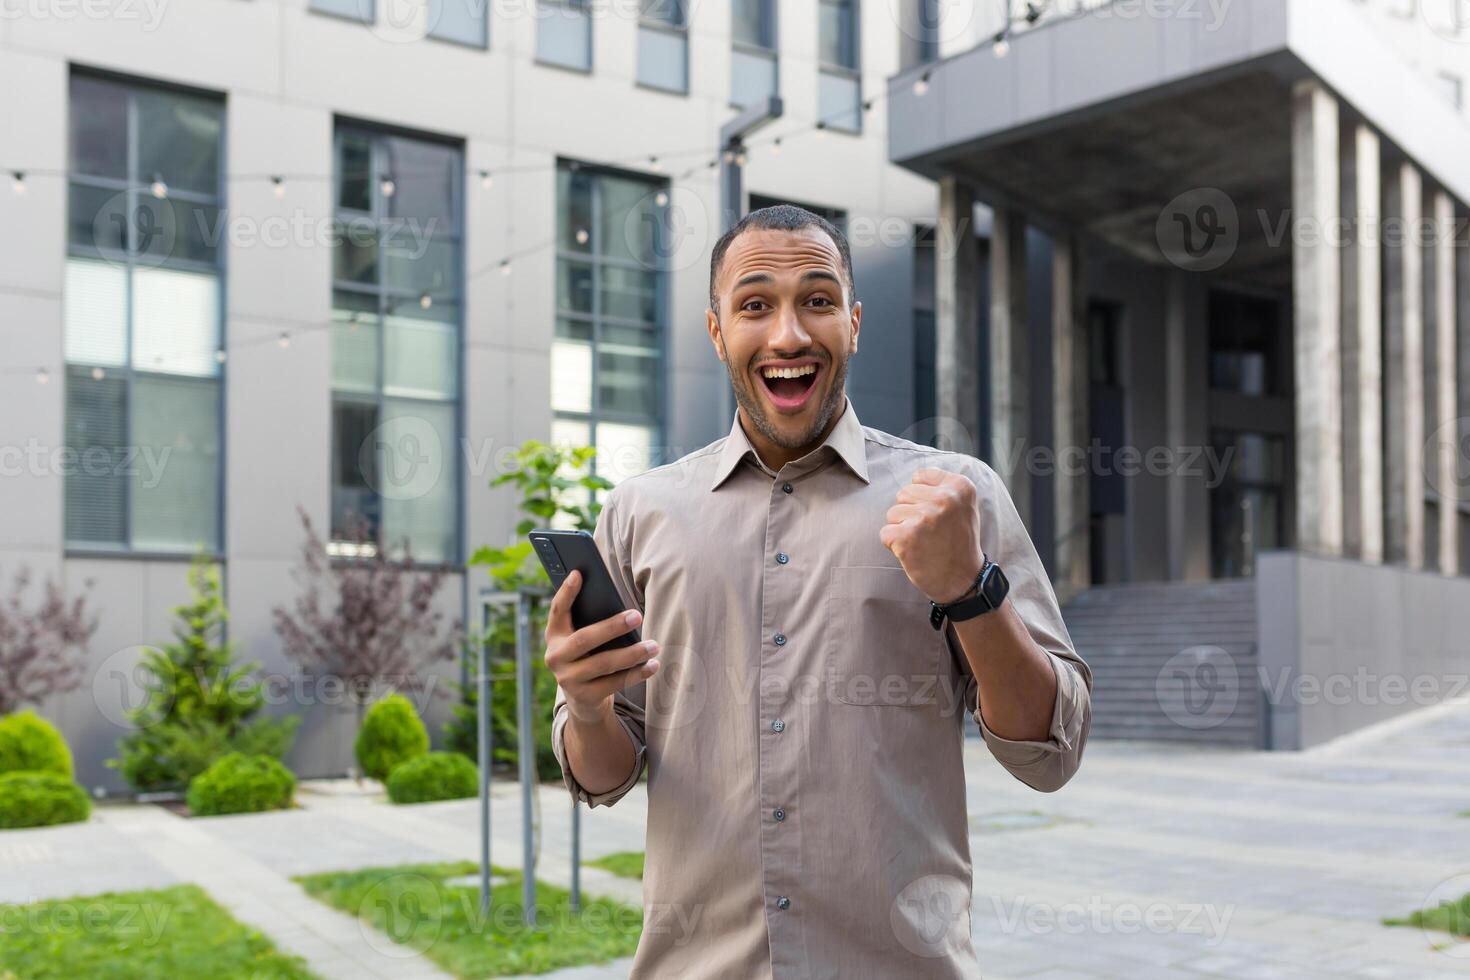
(806,789)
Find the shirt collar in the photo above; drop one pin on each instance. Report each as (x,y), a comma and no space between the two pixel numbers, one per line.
(846,439)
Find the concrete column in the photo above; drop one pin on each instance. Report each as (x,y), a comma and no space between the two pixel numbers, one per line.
(1316,300)
(1403,366)
(957,322)
(1070,419)
(1362,347)
(1442,443)
(1010,394)
(1176,395)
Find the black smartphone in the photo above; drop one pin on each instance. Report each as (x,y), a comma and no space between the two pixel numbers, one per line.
(563,551)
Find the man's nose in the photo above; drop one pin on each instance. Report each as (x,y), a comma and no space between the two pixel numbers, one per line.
(790,335)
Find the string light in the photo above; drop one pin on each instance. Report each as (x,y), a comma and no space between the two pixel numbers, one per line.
(582,236)
(425,301)
(284,340)
(1002,46)
(821,129)
(729,156)
(1033,13)
(98,374)
(387,187)
(740,159)
(42,376)
(158,187)
(505,267)
(220,356)
(486,180)
(278,187)
(661,198)
(654,165)
(18,181)
(776,147)
(921,85)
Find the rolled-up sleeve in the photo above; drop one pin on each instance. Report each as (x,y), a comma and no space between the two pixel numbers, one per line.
(1048,764)
(628,705)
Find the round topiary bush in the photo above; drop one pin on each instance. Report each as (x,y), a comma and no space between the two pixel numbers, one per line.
(40,799)
(239,783)
(30,743)
(391,735)
(435,776)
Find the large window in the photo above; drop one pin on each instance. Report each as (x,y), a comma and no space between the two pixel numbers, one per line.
(1246,340)
(753,70)
(837,216)
(839,88)
(363,10)
(143,344)
(1246,509)
(607,358)
(564,33)
(461,21)
(663,45)
(918,40)
(396,344)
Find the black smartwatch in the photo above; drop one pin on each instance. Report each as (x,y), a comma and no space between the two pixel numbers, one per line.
(989,591)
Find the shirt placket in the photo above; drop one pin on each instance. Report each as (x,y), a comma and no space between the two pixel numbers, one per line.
(779,727)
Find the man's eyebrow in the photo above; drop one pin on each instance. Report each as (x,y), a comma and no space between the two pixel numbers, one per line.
(753,279)
(820,274)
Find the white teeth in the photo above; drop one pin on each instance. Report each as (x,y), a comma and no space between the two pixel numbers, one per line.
(796,372)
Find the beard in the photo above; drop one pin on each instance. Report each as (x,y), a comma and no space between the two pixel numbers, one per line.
(755,410)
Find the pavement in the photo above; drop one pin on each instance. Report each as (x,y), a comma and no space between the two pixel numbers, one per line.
(1155,861)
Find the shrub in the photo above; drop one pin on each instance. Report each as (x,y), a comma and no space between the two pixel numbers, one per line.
(30,743)
(200,704)
(391,734)
(435,776)
(241,783)
(40,799)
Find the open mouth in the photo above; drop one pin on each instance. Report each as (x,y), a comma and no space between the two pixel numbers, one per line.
(789,384)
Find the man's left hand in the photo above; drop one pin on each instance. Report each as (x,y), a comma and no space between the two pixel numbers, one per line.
(932,530)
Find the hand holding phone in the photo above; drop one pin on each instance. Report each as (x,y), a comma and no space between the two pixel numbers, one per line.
(592,643)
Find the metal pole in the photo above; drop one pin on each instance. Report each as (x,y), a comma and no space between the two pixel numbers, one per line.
(482,722)
(576,855)
(526,752)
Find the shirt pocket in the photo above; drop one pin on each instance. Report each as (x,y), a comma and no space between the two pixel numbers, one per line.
(881,649)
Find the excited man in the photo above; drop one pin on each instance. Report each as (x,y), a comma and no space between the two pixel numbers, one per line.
(822,604)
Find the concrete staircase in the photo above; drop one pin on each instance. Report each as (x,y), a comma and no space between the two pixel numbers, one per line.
(1171,661)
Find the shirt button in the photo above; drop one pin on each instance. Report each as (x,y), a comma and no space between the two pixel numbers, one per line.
(782,557)
(780,814)
(787,488)
(780,639)
(778,726)
(783,903)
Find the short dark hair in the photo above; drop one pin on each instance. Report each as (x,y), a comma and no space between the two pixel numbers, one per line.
(778,217)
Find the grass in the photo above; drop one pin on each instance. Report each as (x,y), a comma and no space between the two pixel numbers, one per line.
(627,864)
(1450,917)
(413,905)
(166,932)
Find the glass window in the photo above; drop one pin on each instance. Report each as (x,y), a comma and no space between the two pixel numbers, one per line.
(753,55)
(458,20)
(607,360)
(837,216)
(564,34)
(396,344)
(1247,513)
(143,318)
(1246,341)
(754,23)
(918,33)
(362,10)
(663,46)
(839,88)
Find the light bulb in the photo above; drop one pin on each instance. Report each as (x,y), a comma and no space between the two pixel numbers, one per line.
(661,198)
(486,180)
(219,356)
(98,374)
(284,340)
(1002,46)
(18,181)
(387,186)
(776,147)
(42,376)
(921,85)
(582,236)
(278,187)
(505,267)
(158,187)
(425,301)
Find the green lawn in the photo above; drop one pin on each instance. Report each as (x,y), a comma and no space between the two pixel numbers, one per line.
(412,905)
(628,864)
(167,932)
(1450,917)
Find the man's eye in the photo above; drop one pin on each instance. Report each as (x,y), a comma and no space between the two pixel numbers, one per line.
(820,301)
(753,305)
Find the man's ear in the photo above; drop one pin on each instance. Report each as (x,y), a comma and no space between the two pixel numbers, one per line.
(712,323)
(857,323)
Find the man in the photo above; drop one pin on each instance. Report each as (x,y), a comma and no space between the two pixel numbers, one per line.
(816,625)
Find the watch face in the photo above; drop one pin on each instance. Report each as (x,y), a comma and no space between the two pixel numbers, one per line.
(995,587)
